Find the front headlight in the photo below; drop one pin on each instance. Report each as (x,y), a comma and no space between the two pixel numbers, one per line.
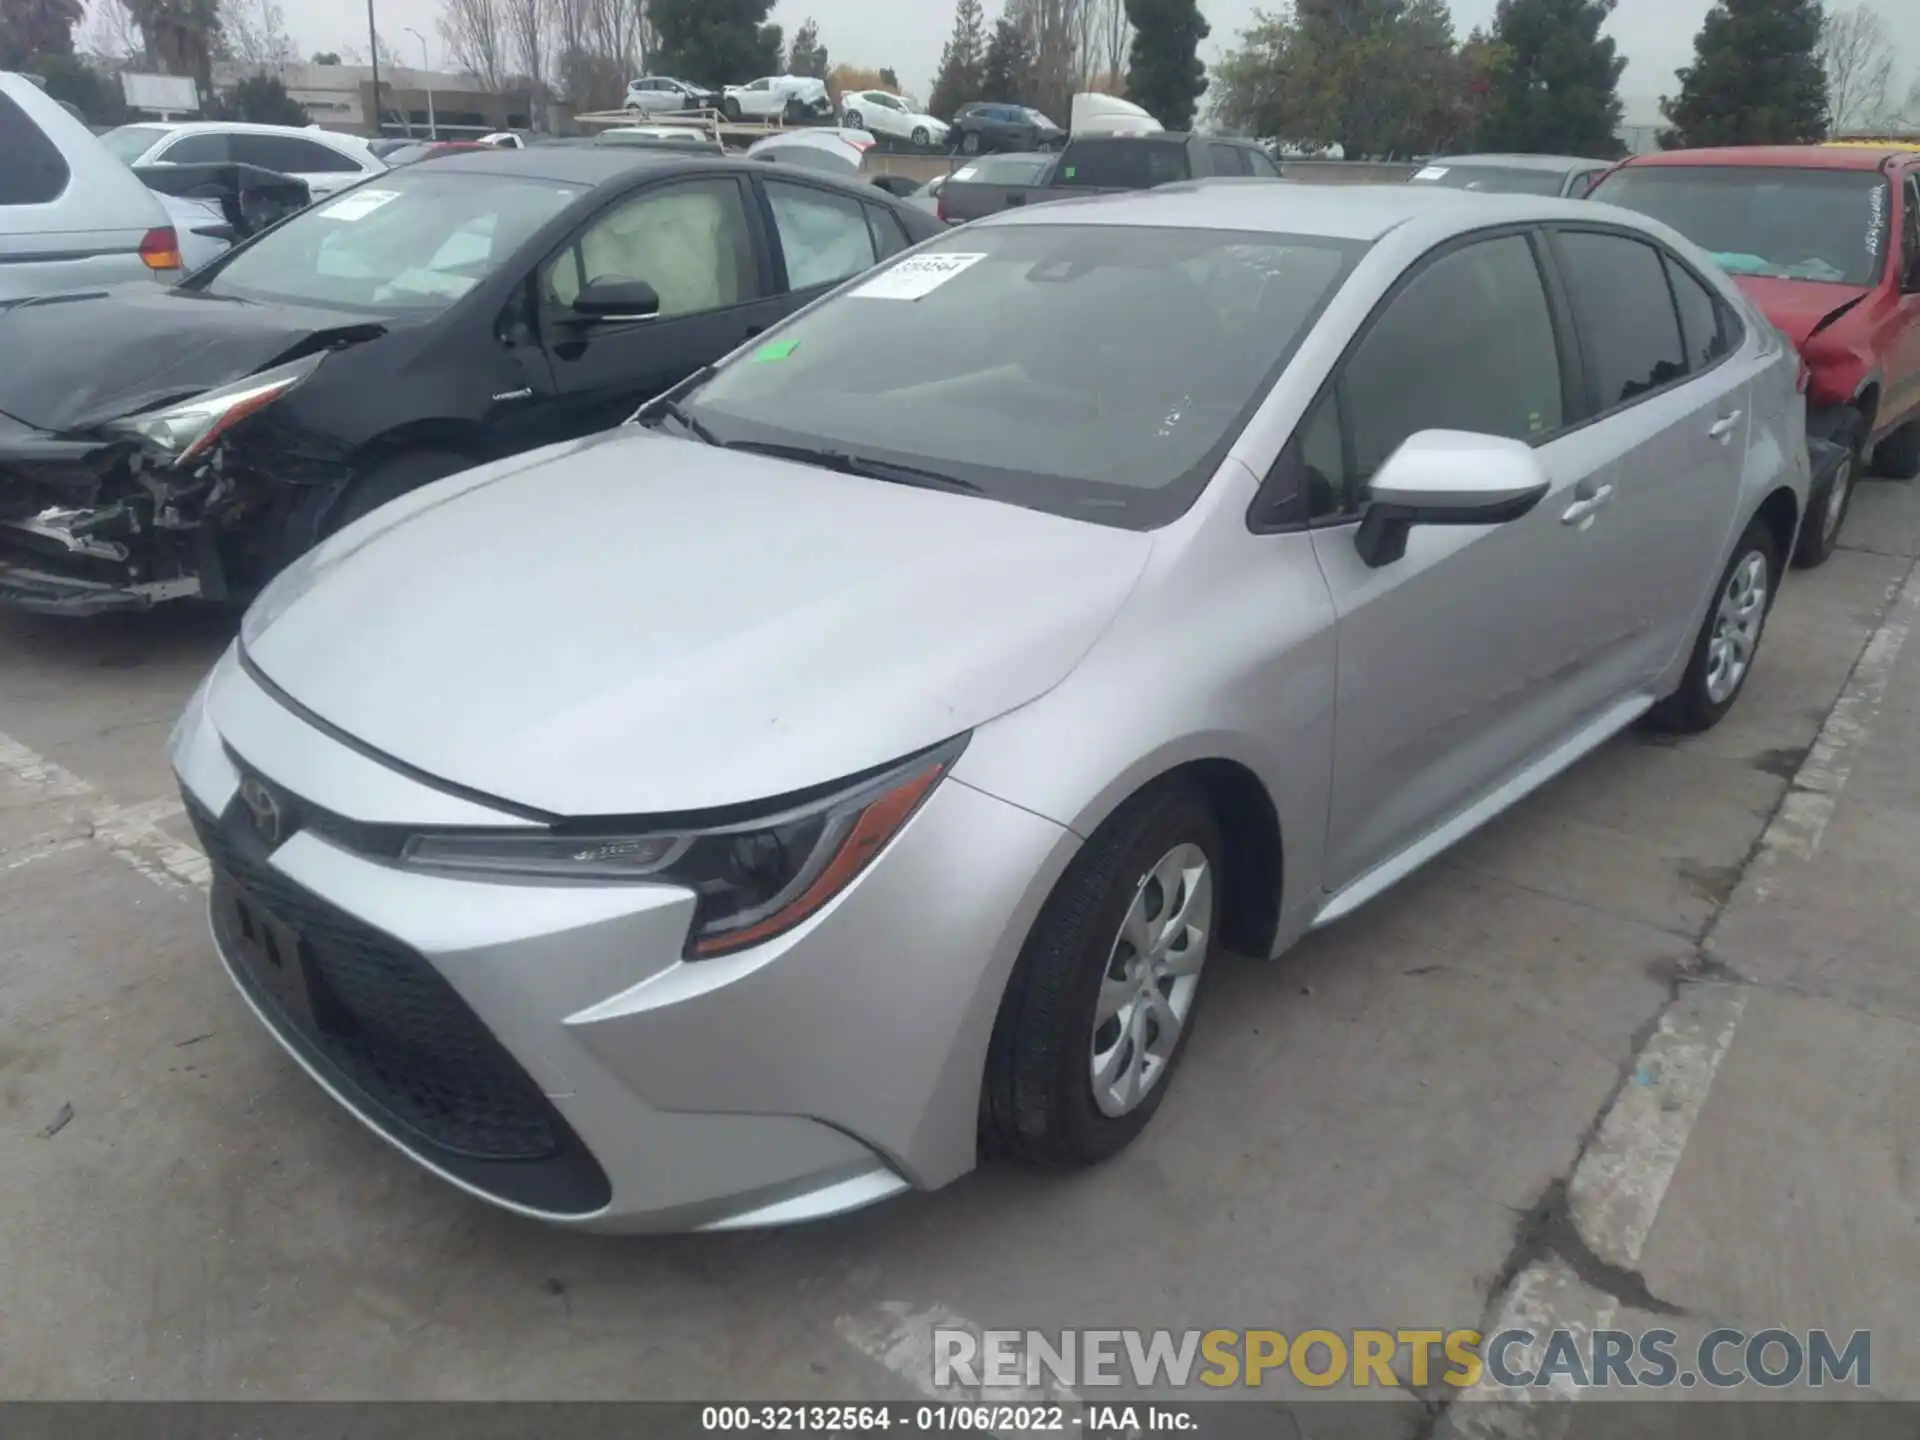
(185,430)
(755,879)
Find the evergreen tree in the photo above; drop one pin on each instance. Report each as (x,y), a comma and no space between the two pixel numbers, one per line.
(959,79)
(715,42)
(1006,75)
(31,29)
(1756,78)
(1556,92)
(807,56)
(1164,71)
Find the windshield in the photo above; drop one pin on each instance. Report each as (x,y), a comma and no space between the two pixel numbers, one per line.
(410,242)
(1507,180)
(130,142)
(1824,225)
(1094,371)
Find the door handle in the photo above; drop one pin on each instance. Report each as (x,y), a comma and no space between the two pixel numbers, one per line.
(1723,427)
(1582,511)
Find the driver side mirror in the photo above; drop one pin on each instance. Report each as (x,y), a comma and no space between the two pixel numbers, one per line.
(1447,477)
(609,300)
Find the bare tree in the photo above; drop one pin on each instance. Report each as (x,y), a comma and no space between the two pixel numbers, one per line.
(256,33)
(1115,35)
(529,26)
(475,32)
(1857,54)
(111,32)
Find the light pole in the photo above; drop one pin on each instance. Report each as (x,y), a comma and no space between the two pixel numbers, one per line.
(426,66)
(373,54)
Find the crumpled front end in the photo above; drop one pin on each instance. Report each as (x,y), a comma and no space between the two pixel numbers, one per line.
(90,524)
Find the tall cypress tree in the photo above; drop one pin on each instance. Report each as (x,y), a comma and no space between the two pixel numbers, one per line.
(1755,79)
(1006,74)
(958,82)
(1556,91)
(1165,74)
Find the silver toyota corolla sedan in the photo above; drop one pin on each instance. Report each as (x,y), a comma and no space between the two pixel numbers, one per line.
(849,767)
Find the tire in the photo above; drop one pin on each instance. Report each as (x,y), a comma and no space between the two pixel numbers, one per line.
(1700,703)
(730,108)
(970,143)
(1898,456)
(389,479)
(854,120)
(1038,1101)
(921,138)
(1827,511)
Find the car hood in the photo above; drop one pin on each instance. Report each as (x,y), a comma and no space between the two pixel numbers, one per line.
(639,624)
(109,353)
(1798,308)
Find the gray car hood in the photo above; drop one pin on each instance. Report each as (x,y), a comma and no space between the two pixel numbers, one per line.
(643,625)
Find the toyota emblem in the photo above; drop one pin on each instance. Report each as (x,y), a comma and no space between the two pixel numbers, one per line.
(263,807)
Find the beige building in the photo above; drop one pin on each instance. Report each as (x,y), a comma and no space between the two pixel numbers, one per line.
(340,97)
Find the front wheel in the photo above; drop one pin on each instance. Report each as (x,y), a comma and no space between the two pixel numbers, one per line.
(1827,511)
(1729,638)
(854,120)
(1898,456)
(1102,999)
(730,108)
(921,139)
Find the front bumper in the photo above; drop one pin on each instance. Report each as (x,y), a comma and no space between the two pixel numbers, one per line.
(546,1048)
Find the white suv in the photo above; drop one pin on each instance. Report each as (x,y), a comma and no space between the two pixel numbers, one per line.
(898,117)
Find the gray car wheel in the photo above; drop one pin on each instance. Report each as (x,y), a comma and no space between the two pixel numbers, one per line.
(1102,1000)
(1729,640)
(921,139)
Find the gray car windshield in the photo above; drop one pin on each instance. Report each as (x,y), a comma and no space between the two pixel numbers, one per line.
(1824,225)
(408,242)
(1091,370)
(1500,178)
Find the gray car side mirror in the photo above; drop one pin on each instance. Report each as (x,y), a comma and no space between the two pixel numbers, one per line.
(610,299)
(1447,477)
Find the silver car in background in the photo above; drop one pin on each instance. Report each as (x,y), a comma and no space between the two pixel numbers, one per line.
(852,766)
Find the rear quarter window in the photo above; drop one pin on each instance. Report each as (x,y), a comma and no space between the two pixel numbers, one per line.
(1125,164)
(32,169)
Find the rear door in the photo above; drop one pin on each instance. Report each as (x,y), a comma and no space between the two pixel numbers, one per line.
(821,236)
(1666,445)
(695,240)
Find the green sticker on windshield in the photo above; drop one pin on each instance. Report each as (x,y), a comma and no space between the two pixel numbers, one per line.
(1069,172)
(775,350)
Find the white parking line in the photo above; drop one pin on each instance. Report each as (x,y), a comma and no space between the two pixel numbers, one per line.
(1622,1177)
(131,832)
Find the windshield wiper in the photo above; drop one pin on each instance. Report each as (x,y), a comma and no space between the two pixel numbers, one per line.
(671,410)
(865,466)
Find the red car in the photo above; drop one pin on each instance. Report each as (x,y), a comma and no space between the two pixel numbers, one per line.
(1826,239)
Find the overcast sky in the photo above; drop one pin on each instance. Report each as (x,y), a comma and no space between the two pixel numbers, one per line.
(1655,35)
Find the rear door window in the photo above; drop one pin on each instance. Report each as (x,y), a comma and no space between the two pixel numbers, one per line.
(1124,164)
(1706,328)
(205,148)
(1228,159)
(825,237)
(290,155)
(1259,163)
(1628,325)
(32,169)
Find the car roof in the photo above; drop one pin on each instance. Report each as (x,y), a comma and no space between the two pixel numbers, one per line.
(597,165)
(1510,161)
(1337,212)
(1782,157)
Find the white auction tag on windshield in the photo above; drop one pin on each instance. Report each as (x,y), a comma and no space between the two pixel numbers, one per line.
(359,205)
(1432,172)
(917,276)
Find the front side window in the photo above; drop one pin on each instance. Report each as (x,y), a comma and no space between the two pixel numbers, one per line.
(411,242)
(1628,327)
(289,155)
(1822,225)
(1094,371)
(204,148)
(32,170)
(1468,345)
(1228,159)
(1261,164)
(824,237)
(688,240)
(1910,245)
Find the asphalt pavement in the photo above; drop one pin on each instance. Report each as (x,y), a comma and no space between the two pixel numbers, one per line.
(1643,1047)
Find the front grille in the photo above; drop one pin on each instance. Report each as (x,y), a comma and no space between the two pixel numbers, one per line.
(389,1032)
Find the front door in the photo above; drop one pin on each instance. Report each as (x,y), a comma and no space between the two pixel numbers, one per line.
(1455,662)
(694,243)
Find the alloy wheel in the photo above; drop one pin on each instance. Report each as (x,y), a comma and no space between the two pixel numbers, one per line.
(1152,975)
(1837,495)
(1737,621)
